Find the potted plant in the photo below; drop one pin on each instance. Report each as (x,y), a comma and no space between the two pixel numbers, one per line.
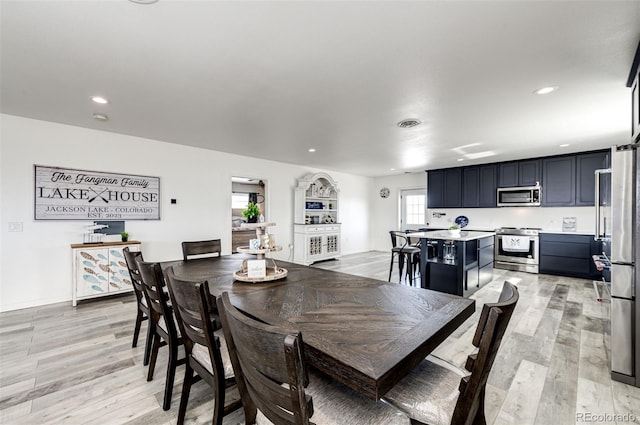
(252,212)
(124,236)
(454,229)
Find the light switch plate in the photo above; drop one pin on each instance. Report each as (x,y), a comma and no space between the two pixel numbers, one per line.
(15,226)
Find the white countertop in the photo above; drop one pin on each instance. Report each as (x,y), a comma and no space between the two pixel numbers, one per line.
(465,235)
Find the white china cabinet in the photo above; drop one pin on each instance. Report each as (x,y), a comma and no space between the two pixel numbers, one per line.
(316,228)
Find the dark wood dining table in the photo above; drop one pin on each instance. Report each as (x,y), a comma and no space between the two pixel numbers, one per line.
(365,333)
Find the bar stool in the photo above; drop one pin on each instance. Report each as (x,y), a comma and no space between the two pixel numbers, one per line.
(405,253)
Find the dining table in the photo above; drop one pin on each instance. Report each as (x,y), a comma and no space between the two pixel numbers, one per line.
(366,333)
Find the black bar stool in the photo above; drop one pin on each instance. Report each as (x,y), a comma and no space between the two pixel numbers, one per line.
(405,253)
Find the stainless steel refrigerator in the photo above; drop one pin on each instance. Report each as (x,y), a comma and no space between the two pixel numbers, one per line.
(617,226)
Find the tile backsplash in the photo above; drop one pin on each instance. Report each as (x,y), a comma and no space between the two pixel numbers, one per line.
(548,219)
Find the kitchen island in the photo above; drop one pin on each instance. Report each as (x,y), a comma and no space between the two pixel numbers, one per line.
(468,267)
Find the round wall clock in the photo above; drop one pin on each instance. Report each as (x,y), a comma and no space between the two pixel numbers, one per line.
(384,192)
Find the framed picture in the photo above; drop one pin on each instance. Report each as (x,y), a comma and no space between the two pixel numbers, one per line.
(69,194)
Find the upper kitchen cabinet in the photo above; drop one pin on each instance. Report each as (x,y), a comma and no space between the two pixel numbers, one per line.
(586,165)
(470,182)
(453,187)
(519,173)
(559,177)
(444,188)
(479,186)
(488,185)
(435,189)
(566,180)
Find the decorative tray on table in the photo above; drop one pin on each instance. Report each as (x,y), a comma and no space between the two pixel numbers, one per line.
(266,246)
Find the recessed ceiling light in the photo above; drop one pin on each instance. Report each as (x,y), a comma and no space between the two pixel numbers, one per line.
(100,117)
(392,169)
(460,159)
(409,122)
(546,90)
(143,1)
(312,150)
(99,99)
(564,145)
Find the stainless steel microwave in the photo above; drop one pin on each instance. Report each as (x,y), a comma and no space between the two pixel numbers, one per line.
(526,196)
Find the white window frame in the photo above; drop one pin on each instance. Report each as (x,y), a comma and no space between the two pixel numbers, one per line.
(403,196)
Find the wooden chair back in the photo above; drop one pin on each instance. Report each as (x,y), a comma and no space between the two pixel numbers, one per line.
(194,307)
(493,322)
(269,367)
(162,325)
(157,297)
(201,247)
(195,310)
(131,258)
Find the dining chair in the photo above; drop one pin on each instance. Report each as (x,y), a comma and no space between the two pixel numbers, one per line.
(212,246)
(205,348)
(404,252)
(277,387)
(415,242)
(438,393)
(162,325)
(131,258)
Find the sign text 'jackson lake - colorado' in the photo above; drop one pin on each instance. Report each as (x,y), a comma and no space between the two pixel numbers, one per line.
(67,194)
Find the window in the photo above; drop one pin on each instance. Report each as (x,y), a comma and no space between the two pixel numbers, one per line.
(239,200)
(413,208)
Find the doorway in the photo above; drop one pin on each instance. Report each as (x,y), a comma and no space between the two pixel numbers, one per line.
(413,208)
(243,191)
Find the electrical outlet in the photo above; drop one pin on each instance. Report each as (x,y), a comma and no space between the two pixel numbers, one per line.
(15,226)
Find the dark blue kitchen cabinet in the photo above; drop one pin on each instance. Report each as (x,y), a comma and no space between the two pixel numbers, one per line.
(479,184)
(470,184)
(586,165)
(461,276)
(570,255)
(566,180)
(488,185)
(519,173)
(435,189)
(508,174)
(529,172)
(485,260)
(453,187)
(559,177)
(444,188)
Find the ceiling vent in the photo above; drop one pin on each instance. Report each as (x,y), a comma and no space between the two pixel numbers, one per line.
(409,122)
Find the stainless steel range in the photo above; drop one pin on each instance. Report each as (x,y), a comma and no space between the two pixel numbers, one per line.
(517,249)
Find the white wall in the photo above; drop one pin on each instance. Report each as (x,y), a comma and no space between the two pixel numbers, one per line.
(385,212)
(35,266)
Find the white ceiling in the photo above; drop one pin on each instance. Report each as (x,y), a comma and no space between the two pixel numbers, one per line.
(273,79)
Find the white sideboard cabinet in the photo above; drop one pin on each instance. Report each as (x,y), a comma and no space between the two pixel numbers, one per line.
(100,269)
(316,228)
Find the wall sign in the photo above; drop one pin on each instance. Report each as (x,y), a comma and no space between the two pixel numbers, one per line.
(67,194)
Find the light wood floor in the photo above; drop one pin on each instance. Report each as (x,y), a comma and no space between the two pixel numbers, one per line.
(66,365)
